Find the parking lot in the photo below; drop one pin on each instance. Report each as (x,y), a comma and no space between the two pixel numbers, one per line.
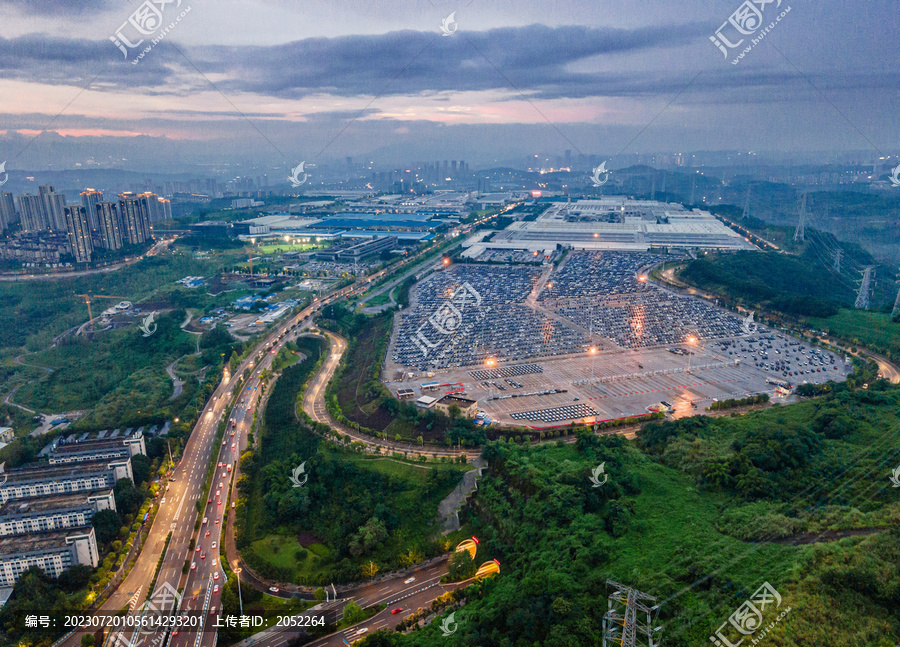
(599,342)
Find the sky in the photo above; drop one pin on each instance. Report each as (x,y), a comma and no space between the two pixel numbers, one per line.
(270,82)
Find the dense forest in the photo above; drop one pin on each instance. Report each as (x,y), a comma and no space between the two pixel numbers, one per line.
(698,513)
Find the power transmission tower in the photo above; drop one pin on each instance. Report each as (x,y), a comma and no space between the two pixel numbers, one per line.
(746,213)
(693,187)
(800,232)
(620,623)
(896,305)
(862,299)
(838,255)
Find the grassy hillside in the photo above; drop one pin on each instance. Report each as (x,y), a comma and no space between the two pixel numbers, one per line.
(698,513)
(798,285)
(874,330)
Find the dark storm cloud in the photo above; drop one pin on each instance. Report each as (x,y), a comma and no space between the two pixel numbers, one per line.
(75,61)
(535,59)
(57,7)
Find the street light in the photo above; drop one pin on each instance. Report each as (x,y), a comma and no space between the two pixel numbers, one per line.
(691,340)
(592,351)
(490,362)
(237,571)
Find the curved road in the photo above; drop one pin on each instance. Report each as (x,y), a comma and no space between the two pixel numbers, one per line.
(314,406)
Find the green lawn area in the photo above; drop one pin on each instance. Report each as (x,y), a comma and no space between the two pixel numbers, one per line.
(414,472)
(381,299)
(873,329)
(281,248)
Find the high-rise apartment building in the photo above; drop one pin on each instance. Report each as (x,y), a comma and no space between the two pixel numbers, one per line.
(110,225)
(31,211)
(79,231)
(8,216)
(89,200)
(135,218)
(54,207)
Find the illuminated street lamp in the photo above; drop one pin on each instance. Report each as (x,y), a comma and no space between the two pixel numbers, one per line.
(446,261)
(592,351)
(490,362)
(642,278)
(691,340)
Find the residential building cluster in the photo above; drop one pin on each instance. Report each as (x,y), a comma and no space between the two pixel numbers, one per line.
(95,223)
(47,506)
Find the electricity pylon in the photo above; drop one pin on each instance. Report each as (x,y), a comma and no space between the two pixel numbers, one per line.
(800,232)
(896,305)
(837,260)
(746,213)
(620,623)
(862,299)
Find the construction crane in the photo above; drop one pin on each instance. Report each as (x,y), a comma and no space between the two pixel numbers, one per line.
(87,300)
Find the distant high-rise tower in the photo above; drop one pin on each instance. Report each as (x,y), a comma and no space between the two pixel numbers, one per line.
(8,216)
(31,210)
(79,231)
(89,200)
(110,225)
(135,218)
(54,205)
(800,232)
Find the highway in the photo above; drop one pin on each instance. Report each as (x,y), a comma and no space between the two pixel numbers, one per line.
(177,511)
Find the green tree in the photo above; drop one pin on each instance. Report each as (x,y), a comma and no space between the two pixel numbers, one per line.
(106,524)
(461,566)
(353,613)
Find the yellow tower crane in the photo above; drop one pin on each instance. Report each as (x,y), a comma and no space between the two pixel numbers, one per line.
(87,300)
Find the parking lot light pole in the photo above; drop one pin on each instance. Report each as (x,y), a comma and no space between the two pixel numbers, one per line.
(592,351)
(490,362)
(691,340)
